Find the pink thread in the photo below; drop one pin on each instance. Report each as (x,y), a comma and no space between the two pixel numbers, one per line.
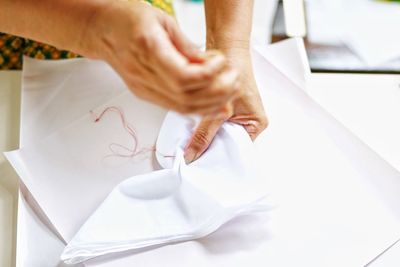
(114,147)
(131,152)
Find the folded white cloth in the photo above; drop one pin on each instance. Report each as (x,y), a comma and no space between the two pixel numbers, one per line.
(180,202)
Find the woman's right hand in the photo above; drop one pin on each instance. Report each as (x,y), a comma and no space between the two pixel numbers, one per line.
(145,46)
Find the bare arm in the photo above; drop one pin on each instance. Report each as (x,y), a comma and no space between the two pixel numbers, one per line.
(229,24)
(143,44)
(57,22)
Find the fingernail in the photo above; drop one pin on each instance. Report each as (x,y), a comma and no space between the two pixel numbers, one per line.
(190,156)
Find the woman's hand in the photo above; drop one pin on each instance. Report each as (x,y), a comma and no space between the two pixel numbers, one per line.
(145,46)
(229,24)
(247,110)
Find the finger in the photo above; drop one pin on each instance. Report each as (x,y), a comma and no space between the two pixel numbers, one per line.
(202,101)
(165,83)
(214,60)
(196,102)
(181,42)
(164,54)
(146,92)
(211,111)
(225,87)
(254,124)
(203,136)
(138,82)
(181,74)
(201,74)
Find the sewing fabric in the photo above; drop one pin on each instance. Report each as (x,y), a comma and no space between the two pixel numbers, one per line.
(180,202)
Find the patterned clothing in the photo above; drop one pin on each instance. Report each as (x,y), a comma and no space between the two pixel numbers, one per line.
(12,48)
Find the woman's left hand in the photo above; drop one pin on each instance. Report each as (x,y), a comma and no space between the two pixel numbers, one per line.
(246,110)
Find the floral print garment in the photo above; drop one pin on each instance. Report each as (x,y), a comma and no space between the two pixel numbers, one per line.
(12,48)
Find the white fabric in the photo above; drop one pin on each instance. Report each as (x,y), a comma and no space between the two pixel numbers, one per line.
(180,202)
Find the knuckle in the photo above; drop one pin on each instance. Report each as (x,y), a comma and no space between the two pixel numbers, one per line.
(182,78)
(227,111)
(176,89)
(186,98)
(179,109)
(206,74)
(184,109)
(169,21)
(181,99)
(218,92)
(200,139)
(145,41)
(263,122)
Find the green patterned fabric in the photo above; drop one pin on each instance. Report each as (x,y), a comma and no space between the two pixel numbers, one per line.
(12,48)
(165,5)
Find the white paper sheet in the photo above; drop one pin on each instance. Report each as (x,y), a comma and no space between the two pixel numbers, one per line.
(326,204)
(39,79)
(79,174)
(56,93)
(368,106)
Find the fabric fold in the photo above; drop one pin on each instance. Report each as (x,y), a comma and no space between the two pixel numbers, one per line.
(178,203)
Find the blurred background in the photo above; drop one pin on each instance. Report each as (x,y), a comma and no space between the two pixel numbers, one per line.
(360,36)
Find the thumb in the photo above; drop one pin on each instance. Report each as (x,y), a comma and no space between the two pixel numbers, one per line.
(204,135)
(182,43)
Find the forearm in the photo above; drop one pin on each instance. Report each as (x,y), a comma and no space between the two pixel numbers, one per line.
(229,24)
(61,23)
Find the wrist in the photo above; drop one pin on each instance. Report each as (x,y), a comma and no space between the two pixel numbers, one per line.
(228,44)
(237,53)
